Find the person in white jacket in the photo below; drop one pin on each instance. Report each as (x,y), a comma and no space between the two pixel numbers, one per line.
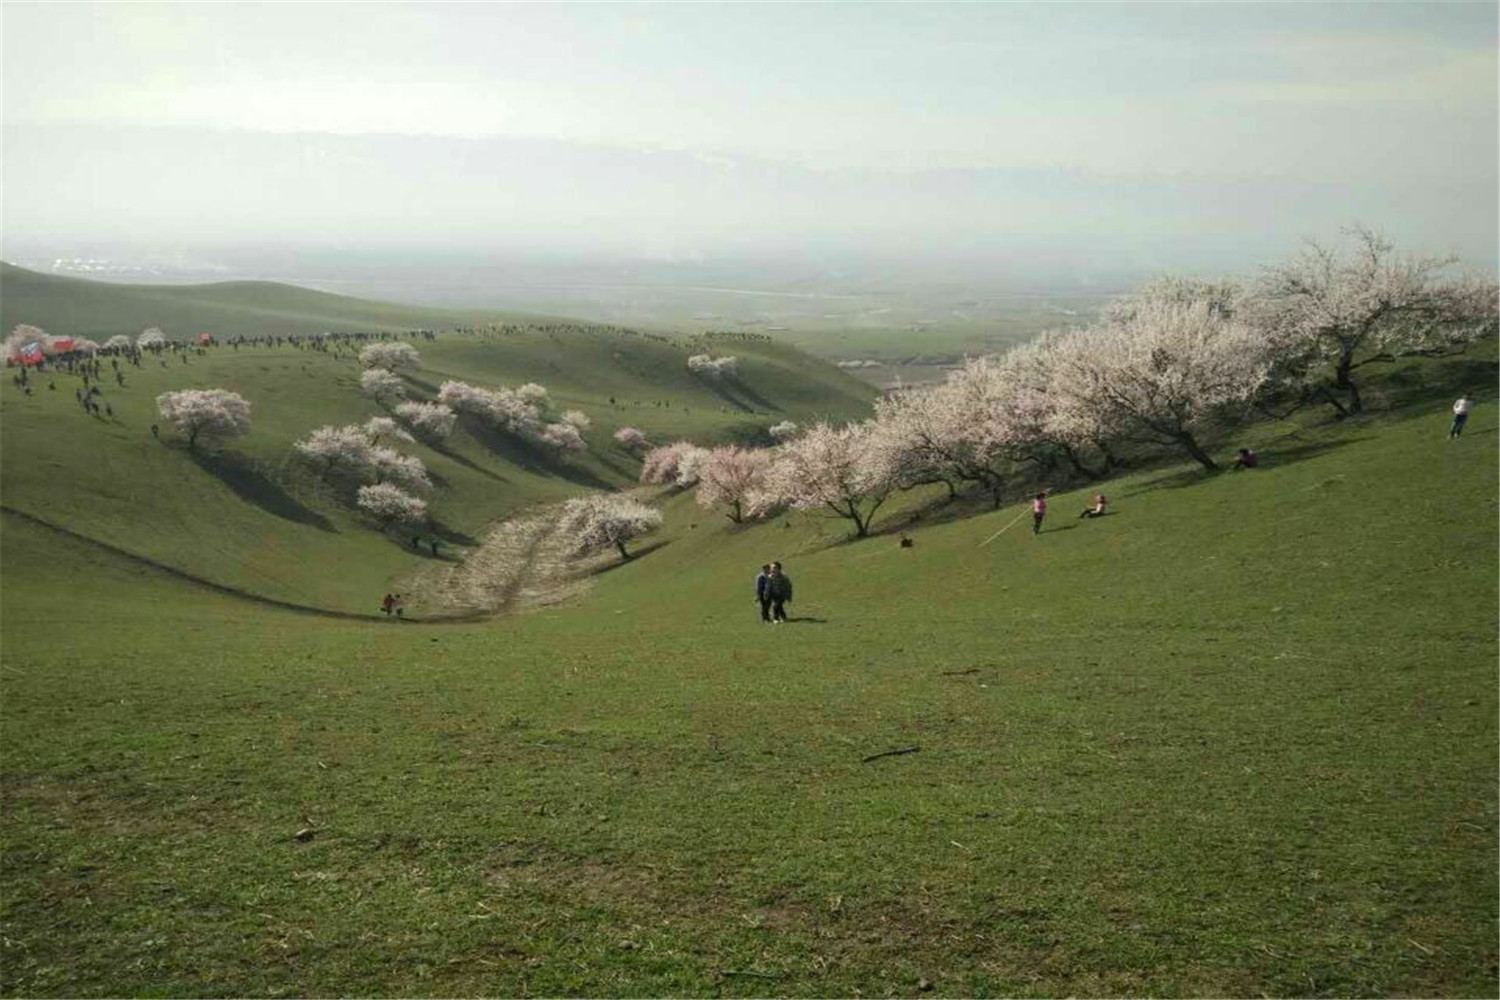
(1460,416)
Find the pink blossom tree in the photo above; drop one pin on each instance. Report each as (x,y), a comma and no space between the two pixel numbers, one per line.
(728,477)
(845,471)
(675,463)
(631,439)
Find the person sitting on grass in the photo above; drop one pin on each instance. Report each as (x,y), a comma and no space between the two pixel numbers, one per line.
(1100,503)
(1246,459)
(386,603)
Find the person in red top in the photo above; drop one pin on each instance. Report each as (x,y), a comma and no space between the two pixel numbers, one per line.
(1246,459)
(1038,512)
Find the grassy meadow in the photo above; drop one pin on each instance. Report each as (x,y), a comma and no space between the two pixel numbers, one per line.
(1237,738)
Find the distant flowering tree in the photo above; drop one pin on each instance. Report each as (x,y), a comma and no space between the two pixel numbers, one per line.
(1159,374)
(947,433)
(604,520)
(631,439)
(395,357)
(381,384)
(562,436)
(429,421)
(845,471)
(728,477)
(205,414)
(119,342)
(405,471)
(151,339)
(1328,309)
(337,450)
(390,505)
(522,412)
(23,334)
(576,419)
(704,364)
(86,346)
(784,430)
(383,430)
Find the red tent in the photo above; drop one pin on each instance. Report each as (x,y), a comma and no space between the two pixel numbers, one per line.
(62,345)
(205,338)
(32,353)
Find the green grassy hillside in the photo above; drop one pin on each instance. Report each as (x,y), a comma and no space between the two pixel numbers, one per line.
(250,520)
(1236,738)
(100,309)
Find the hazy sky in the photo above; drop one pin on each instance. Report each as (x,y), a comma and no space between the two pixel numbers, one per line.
(1301,116)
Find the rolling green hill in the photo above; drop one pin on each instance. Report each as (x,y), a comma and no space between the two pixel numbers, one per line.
(100,309)
(250,520)
(1237,738)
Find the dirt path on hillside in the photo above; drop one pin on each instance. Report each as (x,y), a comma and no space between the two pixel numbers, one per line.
(522,563)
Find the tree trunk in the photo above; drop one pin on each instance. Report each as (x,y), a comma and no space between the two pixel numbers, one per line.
(1193,449)
(621,546)
(1343,381)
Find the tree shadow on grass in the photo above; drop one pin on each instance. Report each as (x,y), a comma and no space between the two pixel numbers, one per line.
(527,456)
(251,484)
(635,557)
(465,461)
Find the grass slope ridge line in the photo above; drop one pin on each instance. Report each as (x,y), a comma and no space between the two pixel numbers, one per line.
(183,575)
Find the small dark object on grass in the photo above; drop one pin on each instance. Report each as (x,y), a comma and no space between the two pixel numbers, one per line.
(627,946)
(907,543)
(756,975)
(305,834)
(960,673)
(890,753)
(925,985)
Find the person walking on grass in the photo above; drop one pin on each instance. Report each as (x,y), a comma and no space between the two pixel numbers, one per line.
(1038,512)
(779,587)
(386,603)
(1097,510)
(763,592)
(1460,416)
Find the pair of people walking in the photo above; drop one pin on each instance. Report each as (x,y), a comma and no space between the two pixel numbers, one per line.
(773,591)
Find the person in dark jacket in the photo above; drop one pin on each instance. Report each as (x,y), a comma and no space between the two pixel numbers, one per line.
(762,596)
(779,587)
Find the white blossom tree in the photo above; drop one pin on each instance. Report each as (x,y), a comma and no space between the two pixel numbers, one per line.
(784,430)
(390,504)
(631,439)
(337,450)
(381,384)
(705,364)
(211,415)
(1159,374)
(405,471)
(86,346)
(392,356)
(950,433)
(151,339)
(845,471)
(384,430)
(606,519)
(576,419)
(119,342)
(728,477)
(1345,310)
(521,412)
(429,421)
(562,436)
